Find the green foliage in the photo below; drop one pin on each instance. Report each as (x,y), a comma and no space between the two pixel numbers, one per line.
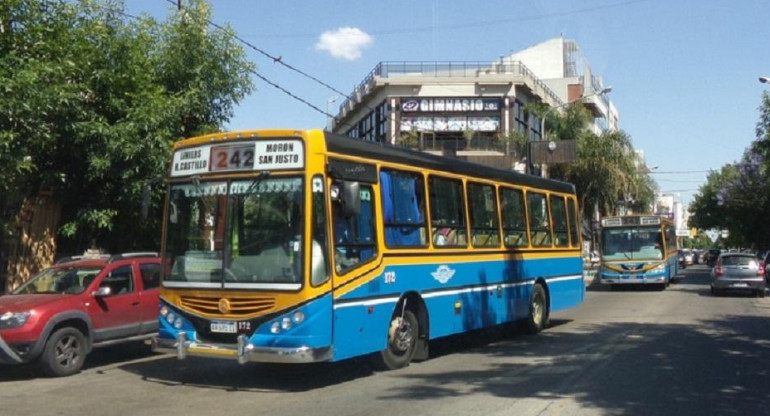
(606,169)
(410,139)
(92,101)
(517,143)
(737,198)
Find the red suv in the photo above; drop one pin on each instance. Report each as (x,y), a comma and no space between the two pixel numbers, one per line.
(81,302)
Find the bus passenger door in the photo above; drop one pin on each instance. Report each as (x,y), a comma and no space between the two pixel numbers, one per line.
(354,249)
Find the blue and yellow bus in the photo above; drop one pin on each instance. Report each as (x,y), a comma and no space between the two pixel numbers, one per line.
(638,249)
(303,246)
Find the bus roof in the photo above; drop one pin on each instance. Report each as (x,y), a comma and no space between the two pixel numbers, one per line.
(378,151)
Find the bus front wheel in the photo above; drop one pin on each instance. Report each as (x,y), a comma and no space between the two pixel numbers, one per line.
(402,342)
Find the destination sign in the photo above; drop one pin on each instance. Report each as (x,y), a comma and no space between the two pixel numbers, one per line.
(241,156)
(630,221)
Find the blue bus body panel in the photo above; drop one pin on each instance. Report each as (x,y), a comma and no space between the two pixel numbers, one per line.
(458,297)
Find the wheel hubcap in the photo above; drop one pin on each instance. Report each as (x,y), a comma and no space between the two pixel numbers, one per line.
(537,309)
(400,335)
(67,351)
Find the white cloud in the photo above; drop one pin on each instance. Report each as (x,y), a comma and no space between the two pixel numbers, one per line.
(345,42)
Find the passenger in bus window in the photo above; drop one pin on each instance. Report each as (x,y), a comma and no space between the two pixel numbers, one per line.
(444,236)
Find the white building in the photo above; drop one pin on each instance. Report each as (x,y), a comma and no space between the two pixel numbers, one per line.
(466,108)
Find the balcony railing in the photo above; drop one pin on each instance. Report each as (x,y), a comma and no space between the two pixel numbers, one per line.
(443,70)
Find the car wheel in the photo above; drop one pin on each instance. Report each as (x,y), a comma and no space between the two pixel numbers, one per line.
(761,293)
(64,352)
(537,318)
(402,342)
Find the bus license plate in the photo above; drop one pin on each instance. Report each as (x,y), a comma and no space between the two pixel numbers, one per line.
(223,327)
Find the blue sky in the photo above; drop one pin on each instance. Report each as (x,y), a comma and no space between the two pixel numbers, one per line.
(683,72)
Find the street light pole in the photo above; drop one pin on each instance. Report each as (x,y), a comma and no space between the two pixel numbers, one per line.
(329,117)
(542,121)
(764,80)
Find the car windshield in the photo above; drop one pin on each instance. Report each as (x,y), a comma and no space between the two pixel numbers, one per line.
(238,234)
(69,280)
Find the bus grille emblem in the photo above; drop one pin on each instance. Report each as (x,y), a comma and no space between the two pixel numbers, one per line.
(224,306)
(443,273)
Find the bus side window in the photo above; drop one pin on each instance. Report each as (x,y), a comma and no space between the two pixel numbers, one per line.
(514,217)
(447,212)
(574,221)
(559,215)
(354,241)
(483,213)
(539,225)
(403,207)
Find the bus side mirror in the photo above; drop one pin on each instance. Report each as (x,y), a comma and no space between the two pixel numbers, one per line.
(348,195)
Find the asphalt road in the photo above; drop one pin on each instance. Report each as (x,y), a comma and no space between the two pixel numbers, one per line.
(628,352)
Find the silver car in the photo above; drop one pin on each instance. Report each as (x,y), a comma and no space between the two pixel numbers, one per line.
(738,271)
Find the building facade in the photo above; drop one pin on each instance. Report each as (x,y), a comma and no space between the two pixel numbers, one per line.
(469,109)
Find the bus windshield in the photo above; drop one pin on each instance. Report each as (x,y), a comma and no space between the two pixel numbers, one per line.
(625,243)
(235,234)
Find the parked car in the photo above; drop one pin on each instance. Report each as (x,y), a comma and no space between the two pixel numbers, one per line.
(738,271)
(59,315)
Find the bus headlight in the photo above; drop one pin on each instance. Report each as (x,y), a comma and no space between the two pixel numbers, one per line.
(275,328)
(286,323)
(170,317)
(178,323)
(298,317)
(659,268)
(164,311)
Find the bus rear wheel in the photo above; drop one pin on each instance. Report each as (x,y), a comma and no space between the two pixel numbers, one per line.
(403,333)
(537,318)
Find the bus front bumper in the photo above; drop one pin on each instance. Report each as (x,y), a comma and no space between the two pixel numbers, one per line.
(244,351)
(632,279)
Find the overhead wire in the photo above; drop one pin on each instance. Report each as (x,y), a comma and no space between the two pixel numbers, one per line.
(279,60)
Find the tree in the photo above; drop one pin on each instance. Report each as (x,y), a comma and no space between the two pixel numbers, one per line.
(606,166)
(92,102)
(736,197)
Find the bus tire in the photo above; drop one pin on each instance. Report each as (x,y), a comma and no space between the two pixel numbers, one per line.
(537,318)
(64,352)
(402,342)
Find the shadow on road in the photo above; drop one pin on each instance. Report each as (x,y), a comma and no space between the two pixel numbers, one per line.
(99,357)
(640,369)
(624,368)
